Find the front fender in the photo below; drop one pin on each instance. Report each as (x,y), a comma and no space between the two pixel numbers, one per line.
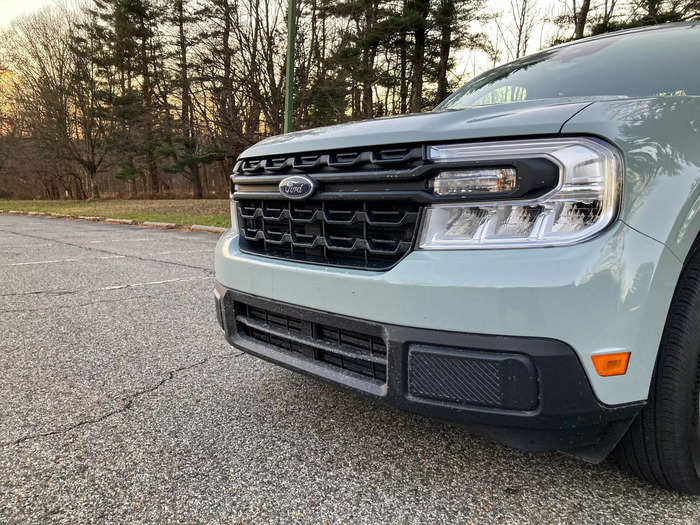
(660,142)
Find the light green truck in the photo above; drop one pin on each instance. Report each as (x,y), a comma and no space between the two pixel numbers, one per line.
(523,260)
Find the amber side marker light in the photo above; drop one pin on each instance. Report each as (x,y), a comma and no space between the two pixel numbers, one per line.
(611,364)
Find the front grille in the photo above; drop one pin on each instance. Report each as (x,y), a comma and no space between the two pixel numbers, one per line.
(350,350)
(364,214)
(366,234)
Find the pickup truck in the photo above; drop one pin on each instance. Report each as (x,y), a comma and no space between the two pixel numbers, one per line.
(523,260)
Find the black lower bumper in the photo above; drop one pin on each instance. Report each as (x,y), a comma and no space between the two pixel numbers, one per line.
(529,393)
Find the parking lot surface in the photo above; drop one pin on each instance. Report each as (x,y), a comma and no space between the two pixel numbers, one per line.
(121,402)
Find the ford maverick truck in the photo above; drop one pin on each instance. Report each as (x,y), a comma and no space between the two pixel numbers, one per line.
(523,260)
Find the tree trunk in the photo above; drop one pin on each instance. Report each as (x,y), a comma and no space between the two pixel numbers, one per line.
(367,102)
(92,182)
(581,17)
(419,56)
(226,82)
(153,173)
(368,55)
(188,133)
(447,13)
(252,128)
(196,178)
(403,89)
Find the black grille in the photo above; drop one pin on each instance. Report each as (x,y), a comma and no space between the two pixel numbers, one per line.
(365,234)
(353,351)
(364,213)
(403,158)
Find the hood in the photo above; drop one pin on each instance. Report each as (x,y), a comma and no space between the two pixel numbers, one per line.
(541,117)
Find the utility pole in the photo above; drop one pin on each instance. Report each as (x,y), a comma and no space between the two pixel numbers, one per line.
(289,92)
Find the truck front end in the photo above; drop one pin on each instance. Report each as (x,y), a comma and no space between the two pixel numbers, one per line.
(525,260)
(486,282)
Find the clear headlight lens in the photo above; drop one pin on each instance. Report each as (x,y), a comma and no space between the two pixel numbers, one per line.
(584,202)
(474,180)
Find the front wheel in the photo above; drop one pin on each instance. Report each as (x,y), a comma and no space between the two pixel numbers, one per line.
(663,443)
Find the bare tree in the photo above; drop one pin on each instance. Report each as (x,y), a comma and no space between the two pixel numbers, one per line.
(516,34)
(55,91)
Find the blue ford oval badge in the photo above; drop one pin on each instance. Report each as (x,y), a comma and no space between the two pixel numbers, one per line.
(297,187)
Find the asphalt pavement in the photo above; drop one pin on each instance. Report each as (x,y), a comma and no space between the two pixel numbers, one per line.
(120,402)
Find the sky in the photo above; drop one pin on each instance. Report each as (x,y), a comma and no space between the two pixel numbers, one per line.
(10,9)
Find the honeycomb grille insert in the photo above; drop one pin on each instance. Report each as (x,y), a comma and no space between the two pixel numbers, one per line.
(464,381)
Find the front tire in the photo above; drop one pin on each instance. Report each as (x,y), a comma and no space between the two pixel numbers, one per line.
(663,444)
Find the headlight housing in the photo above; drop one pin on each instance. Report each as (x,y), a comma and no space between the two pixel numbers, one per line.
(582,204)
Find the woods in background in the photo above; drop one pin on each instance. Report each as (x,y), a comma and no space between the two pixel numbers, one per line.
(158,97)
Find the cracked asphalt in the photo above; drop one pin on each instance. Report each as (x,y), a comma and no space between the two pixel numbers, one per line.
(121,402)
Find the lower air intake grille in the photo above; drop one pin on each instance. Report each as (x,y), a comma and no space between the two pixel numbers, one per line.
(473,378)
(355,352)
(372,235)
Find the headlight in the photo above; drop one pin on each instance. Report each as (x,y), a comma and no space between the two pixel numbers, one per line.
(584,201)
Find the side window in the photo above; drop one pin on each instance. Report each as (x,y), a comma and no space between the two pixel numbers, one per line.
(676,93)
(502,95)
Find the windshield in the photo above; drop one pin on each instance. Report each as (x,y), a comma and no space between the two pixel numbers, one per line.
(641,64)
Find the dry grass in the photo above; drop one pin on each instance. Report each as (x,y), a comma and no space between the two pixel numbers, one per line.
(185,212)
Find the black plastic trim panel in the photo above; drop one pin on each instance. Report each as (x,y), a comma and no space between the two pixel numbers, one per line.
(536,176)
(567,416)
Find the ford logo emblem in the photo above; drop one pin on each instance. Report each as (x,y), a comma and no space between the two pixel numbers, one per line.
(297,187)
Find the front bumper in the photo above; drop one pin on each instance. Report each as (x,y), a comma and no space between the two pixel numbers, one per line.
(609,294)
(529,393)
